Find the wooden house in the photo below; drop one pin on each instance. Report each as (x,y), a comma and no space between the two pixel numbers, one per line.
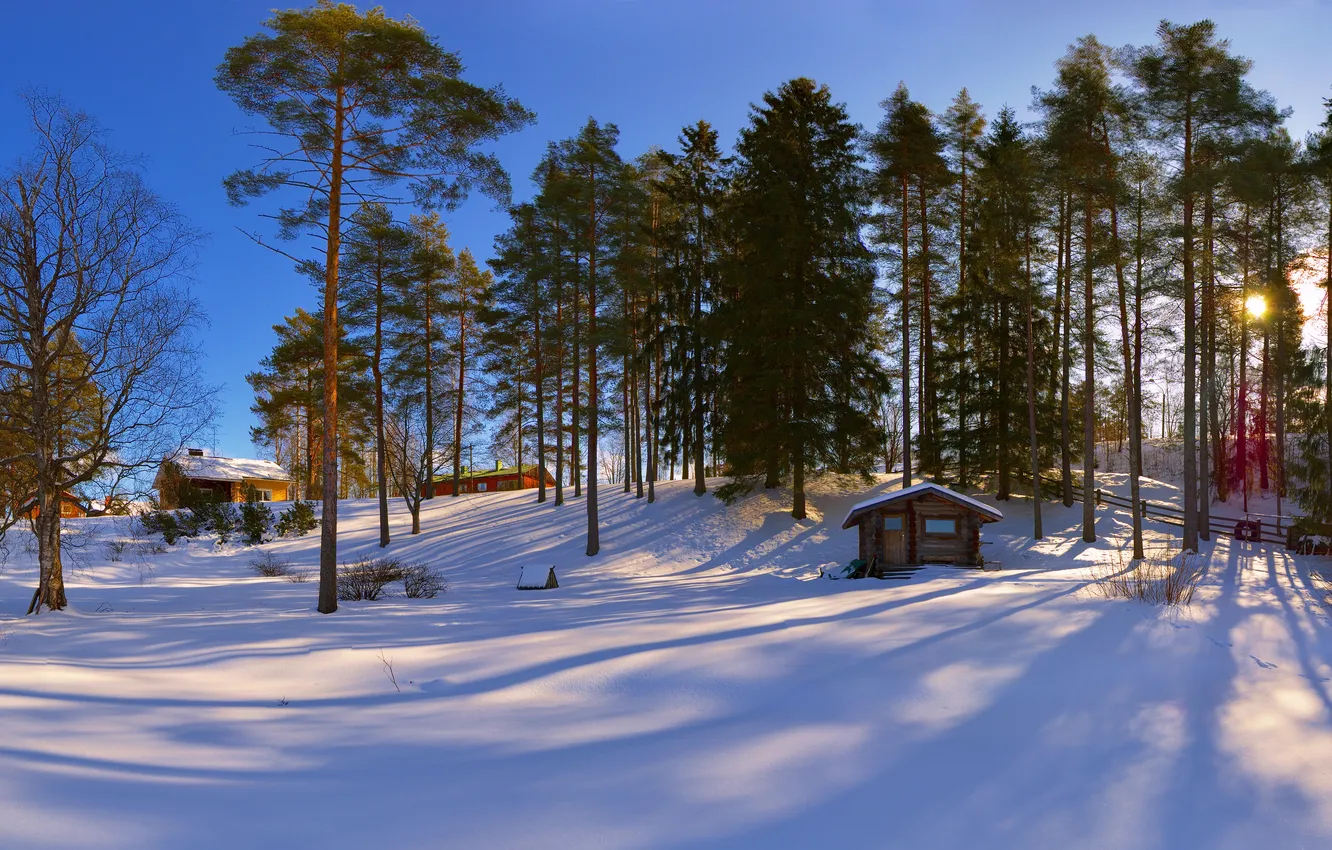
(494,480)
(71,507)
(922,524)
(223,478)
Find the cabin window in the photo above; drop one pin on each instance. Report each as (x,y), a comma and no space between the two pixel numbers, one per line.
(265,495)
(892,523)
(941,527)
(481,488)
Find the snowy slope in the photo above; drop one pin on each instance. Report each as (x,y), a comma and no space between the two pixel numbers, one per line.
(687,688)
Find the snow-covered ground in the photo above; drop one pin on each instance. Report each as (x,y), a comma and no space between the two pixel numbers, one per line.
(689,687)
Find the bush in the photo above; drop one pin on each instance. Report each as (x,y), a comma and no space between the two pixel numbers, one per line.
(163,523)
(255,521)
(1161,579)
(115,549)
(224,522)
(421,581)
(365,578)
(271,566)
(297,521)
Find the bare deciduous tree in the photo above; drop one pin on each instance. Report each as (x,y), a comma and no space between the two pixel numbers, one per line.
(99,375)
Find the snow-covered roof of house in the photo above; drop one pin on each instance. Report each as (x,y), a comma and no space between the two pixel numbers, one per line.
(230,468)
(988,514)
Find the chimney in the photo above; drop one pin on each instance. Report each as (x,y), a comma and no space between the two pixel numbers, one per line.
(499,464)
(196,453)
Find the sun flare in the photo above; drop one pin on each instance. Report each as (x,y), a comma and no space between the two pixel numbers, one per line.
(1256,306)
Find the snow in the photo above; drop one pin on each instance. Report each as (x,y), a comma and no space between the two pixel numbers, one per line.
(990,512)
(689,687)
(213,468)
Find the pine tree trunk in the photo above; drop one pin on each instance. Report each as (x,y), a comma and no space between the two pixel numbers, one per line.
(929,428)
(1032,436)
(1089,381)
(328,533)
(1130,383)
(577,395)
(1066,363)
(458,400)
(559,396)
(377,372)
(429,458)
(1002,445)
(906,338)
(1327,374)
(593,417)
(1242,436)
(539,386)
(1135,417)
(1190,351)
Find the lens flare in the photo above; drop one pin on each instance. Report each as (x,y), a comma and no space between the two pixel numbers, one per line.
(1255,305)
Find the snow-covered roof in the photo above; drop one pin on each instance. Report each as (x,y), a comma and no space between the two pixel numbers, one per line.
(230,468)
(987,513)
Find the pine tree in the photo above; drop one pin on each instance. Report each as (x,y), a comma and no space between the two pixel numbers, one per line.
(1191,85)
(360,102)
(908,154)
(378,259)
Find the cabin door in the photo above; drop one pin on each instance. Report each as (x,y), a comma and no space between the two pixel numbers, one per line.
(894,539)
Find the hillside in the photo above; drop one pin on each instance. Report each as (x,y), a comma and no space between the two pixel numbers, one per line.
(691,686)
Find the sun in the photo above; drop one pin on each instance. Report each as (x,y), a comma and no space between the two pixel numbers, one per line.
(1256,306)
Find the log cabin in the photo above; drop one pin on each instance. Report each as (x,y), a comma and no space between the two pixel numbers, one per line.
(922,524)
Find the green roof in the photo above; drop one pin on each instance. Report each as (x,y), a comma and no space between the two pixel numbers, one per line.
(486,473)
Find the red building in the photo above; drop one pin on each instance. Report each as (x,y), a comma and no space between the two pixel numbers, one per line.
(71,506)
(494,480)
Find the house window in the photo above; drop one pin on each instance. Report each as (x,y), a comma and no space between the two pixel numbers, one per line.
(265,495)
(941,527)
(892,523)
(481,488)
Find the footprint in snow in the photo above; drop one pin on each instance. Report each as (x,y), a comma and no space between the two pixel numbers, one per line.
(1266,665)
(1221,644)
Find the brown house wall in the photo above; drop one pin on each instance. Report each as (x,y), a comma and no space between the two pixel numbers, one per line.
(962,548)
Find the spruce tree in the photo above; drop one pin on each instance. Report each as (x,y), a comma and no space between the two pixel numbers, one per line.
(801,287)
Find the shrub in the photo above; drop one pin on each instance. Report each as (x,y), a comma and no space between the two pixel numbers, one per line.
(297,521)
(298,576)
(115,549)
(224,522)
(366,578)
(270,565)
(421,581)
(1161,579)
(255,521)
(163,523)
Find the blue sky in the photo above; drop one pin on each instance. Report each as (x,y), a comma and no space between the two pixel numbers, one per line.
(144,68)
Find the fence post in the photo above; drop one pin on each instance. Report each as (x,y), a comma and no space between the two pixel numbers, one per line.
(1143,508)
(1098,495)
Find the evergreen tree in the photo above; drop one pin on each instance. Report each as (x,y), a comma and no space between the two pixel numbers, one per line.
(1191,85)
(802,386)
(360,102)
(908,155)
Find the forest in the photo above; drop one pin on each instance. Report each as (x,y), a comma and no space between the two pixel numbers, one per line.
(954,294)
(967,297)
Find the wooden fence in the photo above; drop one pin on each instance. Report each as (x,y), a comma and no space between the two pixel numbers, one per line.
(1273,529)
